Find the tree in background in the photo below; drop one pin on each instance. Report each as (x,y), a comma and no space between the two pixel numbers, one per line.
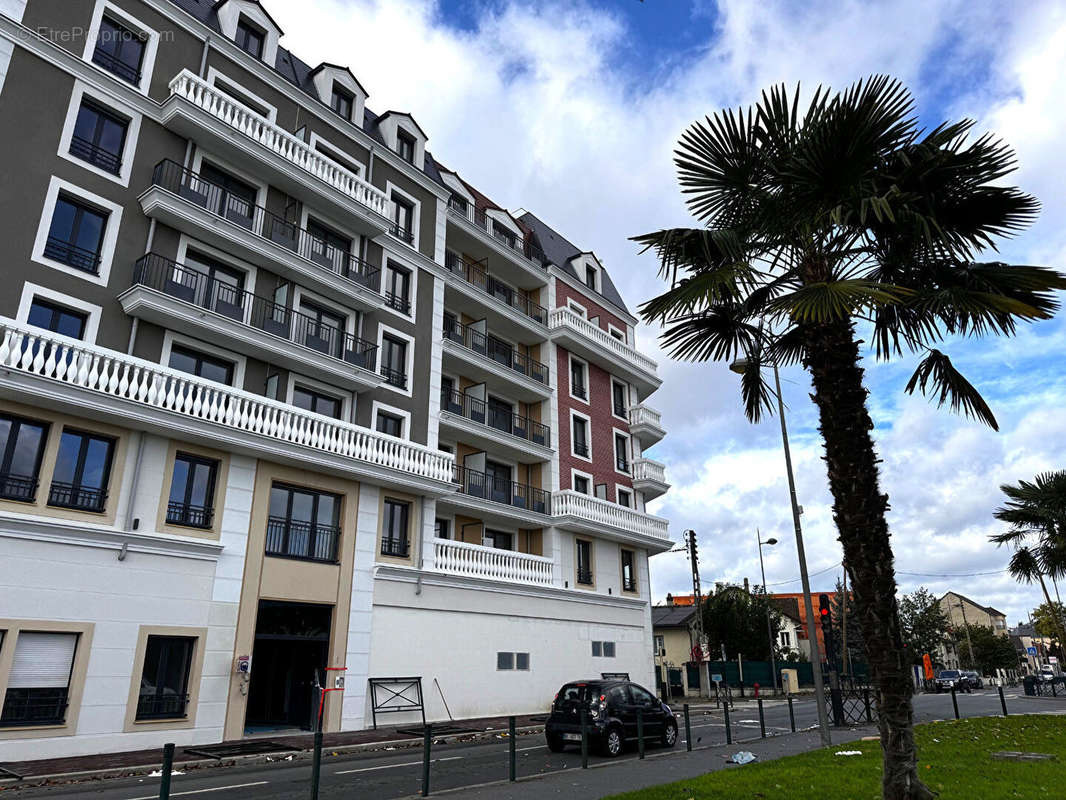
(1045,623)
(925,625)
(991,650)
(856,646)
(736,618)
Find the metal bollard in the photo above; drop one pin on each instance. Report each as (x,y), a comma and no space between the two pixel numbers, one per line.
(955,703)
(728,730)
(584,739)
(1054,692)
(316,765)
(791,716)
(168,765)
(688,730)
(866,702)
(640,732)
(762,721)
(427,749)
(513,775)
(1002,700)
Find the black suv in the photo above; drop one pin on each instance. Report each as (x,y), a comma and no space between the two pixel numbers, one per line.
(612,707)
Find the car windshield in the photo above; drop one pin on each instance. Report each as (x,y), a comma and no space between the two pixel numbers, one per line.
(573,694)
(949,673)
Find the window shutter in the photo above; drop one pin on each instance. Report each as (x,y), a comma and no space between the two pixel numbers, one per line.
(42,661)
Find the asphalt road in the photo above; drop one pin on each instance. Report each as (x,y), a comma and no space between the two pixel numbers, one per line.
(397,773)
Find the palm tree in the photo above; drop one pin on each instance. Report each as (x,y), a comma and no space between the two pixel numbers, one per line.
(822,227)
(1027,566)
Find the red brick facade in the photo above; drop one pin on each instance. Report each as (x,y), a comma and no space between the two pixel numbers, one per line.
(564,292)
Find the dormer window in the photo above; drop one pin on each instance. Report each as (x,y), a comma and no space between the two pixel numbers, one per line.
(250,38)
(405,145)
(342,101)
(590,277)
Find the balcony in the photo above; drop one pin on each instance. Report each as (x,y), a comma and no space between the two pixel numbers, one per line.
(57,372)
(649,477)
(582,513)
(514,314)
(498,501)
(223,125)
(183,200)
(490,563)
(476,232)
(591,342)
(487,359)
(494,429)
(173,296)
(646,424)
(304,541)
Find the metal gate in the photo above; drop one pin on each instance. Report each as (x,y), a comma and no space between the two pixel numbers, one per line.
(673,677)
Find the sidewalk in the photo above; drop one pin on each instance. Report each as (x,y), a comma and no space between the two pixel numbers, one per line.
(614,777)
(134,761)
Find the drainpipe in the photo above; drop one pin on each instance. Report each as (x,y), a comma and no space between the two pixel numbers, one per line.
(135,482)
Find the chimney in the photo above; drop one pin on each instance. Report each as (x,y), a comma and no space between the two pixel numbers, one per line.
(669,599)
(746,585)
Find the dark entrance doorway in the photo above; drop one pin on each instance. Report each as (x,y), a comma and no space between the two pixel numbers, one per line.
(289,660)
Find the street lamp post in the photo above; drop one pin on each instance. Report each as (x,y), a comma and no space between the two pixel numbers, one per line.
(966,627)
(766,599)
(739,366)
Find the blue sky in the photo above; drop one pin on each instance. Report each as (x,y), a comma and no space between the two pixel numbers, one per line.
(572,109)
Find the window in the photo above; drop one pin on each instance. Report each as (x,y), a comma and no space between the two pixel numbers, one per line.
(512,661)
(398,288)
(99,137)
(328,247)
(617,334)
(342,101)
(621,452)
(459,203)
(39,679)
(211,284)
(316,402)
(76,234)
(620,399)
(590,277)
(625,497)
(192,491)
(603,649)
(120,51)
(201,365)
(581,484)
(228,196)
(52,317)
(394,533)
(249,38)
(576,308)
(303,524)
(390,424)
(498,482)
(500,540)
(521,661)
(584,562)
(578,382)
(786,639)
(660,645)
(442,528)
(21,447)
(165,677)
(501,414)
(323,330)
(629,575)
(394,361)
(82,470)
(405,145)
(581,437)
(403,219)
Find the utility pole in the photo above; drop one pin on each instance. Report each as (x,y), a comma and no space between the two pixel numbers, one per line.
(965,624)
(766,600)
(694,559)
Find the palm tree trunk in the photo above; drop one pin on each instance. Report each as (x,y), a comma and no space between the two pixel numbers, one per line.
(832,358)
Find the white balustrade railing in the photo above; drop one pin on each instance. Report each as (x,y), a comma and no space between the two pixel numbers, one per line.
(568,503)
(476,561)
(644,469)
(258,128)
(645,415)
(112,374)
(564,317)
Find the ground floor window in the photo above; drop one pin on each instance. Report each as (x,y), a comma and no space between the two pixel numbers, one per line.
(39,680)
(165,677)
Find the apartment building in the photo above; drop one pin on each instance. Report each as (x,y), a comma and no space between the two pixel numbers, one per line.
(286,404)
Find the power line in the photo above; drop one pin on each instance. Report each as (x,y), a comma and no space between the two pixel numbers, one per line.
(950,574)
(813,574)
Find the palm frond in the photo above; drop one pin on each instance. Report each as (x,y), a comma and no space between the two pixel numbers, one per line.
(824,301)
(719,334)
(936,372)
(1024,565)
(754,390)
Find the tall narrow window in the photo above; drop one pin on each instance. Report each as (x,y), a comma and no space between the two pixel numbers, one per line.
(394,540)
(441,528)
(192,491)
(228,196)
(405,145)
(629,575)
(303,524)
(621,453)
(581,484)
(618,394)
(76,234)
(403,227)
(21,447)
(578,385)
(250,38)
(329,248)
(394,361)
(99,137)
(119,50)
(625,498)
(342,101)
(165,677)
(590,277)
(53,317)
(584,562)
(398,288)
(39,680)
(581,437)
(82,470)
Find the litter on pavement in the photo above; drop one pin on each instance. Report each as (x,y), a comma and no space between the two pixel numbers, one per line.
(848,753)
(743,757)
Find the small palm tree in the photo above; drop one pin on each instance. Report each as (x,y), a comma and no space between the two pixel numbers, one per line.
(822,227)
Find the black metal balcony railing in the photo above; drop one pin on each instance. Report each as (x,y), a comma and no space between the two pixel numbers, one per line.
(80,498)
(581,449)
(584,575)
(398,302)
(620,410)
(18,487)
(394,377)
(189,515)
(403,234)
(498,490)
(397,548)
(508,238)
(175,178)
(34,707)
(165,706)
(499,351)
(628,584)
(290,538)
(117,67)
(481,412)
(475,275)
(621,463)
(199,289)
(579,390)
(459,204)
(73,256)
(96,155)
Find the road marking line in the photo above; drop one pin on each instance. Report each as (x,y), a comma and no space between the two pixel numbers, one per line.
(202,791)
(391,766)
(523,749)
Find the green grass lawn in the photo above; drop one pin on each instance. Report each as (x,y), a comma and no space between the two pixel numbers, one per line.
(955,759)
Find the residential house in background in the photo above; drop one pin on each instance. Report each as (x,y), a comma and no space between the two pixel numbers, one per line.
(673,627)
(792,635)
(961,610)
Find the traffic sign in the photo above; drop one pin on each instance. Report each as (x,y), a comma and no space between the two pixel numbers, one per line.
(1031,651)
(716,678)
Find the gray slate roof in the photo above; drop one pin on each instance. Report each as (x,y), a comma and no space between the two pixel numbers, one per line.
(672,616)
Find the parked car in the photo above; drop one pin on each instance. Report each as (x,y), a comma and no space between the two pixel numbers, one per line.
(1047,673)
(976,682)
(948,679)
(612,707)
